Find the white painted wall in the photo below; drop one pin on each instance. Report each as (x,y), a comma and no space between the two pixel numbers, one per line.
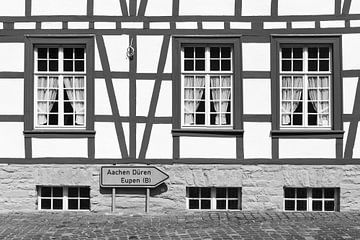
(349,91)
(98,65)
(160,145)
(58,7)
(355,7)
(116,47)
(106,141)
(148,53)
(164,106)
(257,140)
(207,7)
(307,148)
(12,8)
(351,51)
(11,96)
(207,147)
(257,96)
(158,8)
(43,147)
(12,57)
(102,103)
(144,90)
(256,56)
(121,88)
(306,7)
(356,149)
(12,140)
(256,8)
(111,8)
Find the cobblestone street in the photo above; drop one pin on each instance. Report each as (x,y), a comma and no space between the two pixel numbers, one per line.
(198,225)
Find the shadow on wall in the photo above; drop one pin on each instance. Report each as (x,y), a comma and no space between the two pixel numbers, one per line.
(136,191)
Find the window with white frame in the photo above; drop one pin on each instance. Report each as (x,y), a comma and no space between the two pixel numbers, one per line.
(213,198)
(305,86)
(63,198)
(311,199)
(59,85)
(206,79)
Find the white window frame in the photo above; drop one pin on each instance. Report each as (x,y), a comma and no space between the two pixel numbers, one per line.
(213,199)
(306,74)
(309,200)
(207,73)
(64,198)
(60,74)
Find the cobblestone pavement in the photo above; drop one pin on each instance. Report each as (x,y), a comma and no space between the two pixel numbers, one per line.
(198,225)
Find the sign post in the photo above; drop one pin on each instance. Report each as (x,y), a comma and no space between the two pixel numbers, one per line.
(131,177)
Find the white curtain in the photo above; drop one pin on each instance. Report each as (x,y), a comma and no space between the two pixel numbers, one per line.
(220,102)
(77,99)
(290,93)
(46,96)
(193,92)
(320,100)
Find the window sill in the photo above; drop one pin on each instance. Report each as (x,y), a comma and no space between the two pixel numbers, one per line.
(327,134)
(57,133)
(207,132)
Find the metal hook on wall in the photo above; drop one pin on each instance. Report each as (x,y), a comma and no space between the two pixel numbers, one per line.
(130,52)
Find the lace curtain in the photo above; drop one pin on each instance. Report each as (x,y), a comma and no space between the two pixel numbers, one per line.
(193,92)
(291,95)
(46,96)
(76,96)
(221,97)
(319,95)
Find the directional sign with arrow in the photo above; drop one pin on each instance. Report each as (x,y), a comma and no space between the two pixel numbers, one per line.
(135,177)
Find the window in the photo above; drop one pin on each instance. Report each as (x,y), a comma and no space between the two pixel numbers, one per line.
(63,198)
(305,82)
(311,199)
(60,86)
(206,79)
(206,198)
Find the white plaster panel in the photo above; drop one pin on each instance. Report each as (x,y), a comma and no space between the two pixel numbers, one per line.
(158,8)
(354,23)
(136,25)
(51,25)
(351,51)
(256,56)
(11,96)
(58,7)
(106,141)
(159,25)
(186,25)
(111,8)
(144,90)
(43,147)
(356,149)
(160,145)
(257,140)
(300,24)
(274,25)
(105,25)
(98,65)
(140,127)
(102,104)
(116,47)
(256,8)
(213,25)
(306,7)
(349,91)
(164,106)
(332,24)
(78,25)
(307,148)
(207,147)
(207,7)
(148,52)
(257,96)
(25,25)
(12,140)
(121,88)
(12,57)
(12,8)
(168,64)
(240,25)
(355,7)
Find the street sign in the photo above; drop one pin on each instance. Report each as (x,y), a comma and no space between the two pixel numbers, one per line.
(134,177)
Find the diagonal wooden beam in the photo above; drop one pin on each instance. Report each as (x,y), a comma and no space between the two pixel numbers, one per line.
(124,8)
(350,142)
(154,97)
(111,92)
(142,7)
(337,7)
(346,7)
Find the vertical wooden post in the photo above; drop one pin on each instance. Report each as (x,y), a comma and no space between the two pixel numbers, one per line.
(113,199)
(147,200)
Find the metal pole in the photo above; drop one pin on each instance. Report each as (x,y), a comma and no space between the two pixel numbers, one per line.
(147,200)
(113,200)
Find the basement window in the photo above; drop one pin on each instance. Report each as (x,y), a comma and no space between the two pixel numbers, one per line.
(63,198)
(213,198)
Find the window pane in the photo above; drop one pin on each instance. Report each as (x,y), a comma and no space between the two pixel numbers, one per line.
(329,206)
(189,65)
(225,52)
(232,192)
(317,193)
(45,204)
(301,205)
(68,53)
(42,65)
(313,52)
(289,192)
(188,52)
(84,192)
(225,65)
(214,52)
(205,192)
(297,65)
(221,192)
(233,204)
(68,65)
(84,204)
(73,192)
(53,119)
(79,66)
(221,204)
(297,52)
(214,65)
(193,204)
(324,52)
(205,204)
(286,65)
(329,193)
(301,193)
(57,191)
(324,65)
(79,53)
(57,203)
(286,52)
(317,205)
(45,192)
(53,65)
(68,119)
(193,192)
(312,65)
(73,203)
(289,205)
(200,65)
(53,53)
(42,52)
(199,52)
